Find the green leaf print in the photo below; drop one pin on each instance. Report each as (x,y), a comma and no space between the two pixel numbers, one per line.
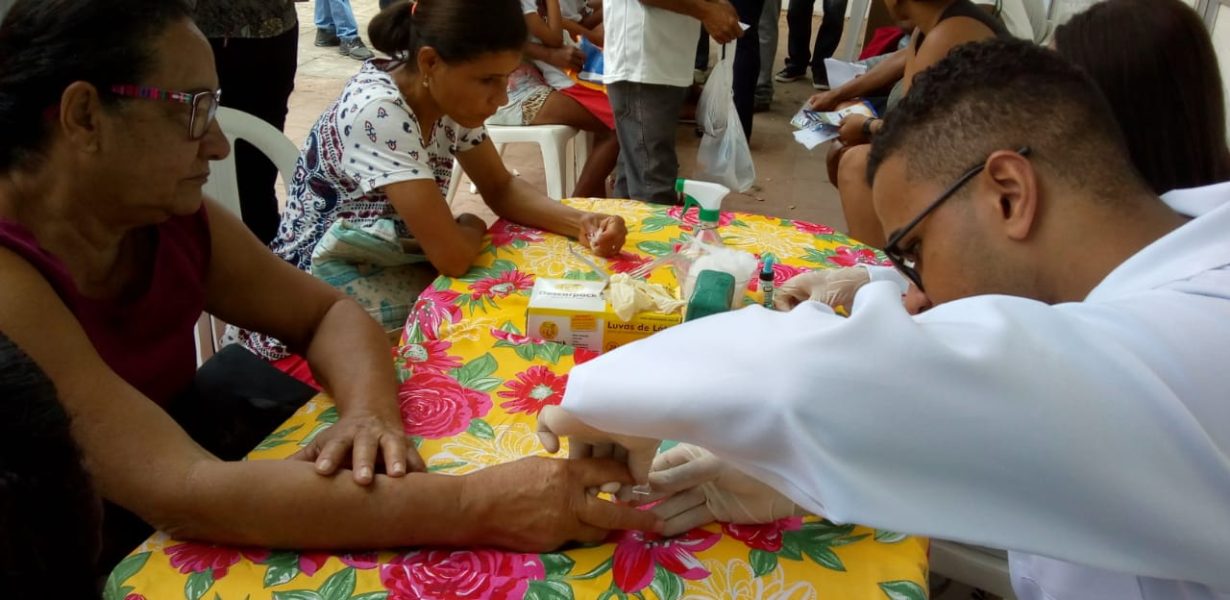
(903,590)
(549,590)
(667,585)
(115,588)
(475,370)
(762,562)
(338,586)
(198,584)
(282,567)
(481,429)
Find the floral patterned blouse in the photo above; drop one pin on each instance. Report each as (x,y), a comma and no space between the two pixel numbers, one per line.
(245,18)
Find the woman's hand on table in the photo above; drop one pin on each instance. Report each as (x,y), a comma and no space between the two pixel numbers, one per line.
(699,488)
(363,441)
(538,504)
(586,442)
(603,234)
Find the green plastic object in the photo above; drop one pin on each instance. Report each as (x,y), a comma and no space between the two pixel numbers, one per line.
(712,295)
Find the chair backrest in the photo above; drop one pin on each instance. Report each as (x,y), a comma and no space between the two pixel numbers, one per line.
(238,125)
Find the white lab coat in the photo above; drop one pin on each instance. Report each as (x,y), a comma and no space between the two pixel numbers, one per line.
(1095,432)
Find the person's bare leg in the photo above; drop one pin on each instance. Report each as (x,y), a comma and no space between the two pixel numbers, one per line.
(833,159)
(563,110)
(861,221)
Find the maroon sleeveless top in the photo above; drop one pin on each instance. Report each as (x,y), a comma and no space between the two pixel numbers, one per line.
(147,340)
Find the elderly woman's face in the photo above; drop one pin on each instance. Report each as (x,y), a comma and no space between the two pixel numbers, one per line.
(149,157)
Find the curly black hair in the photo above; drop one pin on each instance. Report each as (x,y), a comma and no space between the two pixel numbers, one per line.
(45,45)
(1003,94)
(49,513)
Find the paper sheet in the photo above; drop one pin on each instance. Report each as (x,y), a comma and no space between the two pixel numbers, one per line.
(839,71)
(810,138)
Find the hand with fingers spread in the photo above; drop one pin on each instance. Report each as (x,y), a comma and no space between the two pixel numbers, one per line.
(364,442)
(587,442)
(700,488)
(539,504)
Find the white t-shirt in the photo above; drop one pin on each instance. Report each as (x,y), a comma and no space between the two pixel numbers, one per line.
(556,78)
(648,45)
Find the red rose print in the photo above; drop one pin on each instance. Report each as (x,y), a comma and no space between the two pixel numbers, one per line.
(692,218)
(626,262)
(535,388)
(434,405)
(767,537)
(461,575)
(198,558)
(781,274)
(504,233)
(813,228)
(581,356)
(849,257)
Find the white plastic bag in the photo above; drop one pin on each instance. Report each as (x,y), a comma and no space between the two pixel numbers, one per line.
(723,156)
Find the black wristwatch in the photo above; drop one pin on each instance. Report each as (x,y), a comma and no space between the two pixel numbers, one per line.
(867,127)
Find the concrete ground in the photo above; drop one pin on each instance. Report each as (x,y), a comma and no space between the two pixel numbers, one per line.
(791,181)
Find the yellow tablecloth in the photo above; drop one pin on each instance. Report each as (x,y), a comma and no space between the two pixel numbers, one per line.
(472,387)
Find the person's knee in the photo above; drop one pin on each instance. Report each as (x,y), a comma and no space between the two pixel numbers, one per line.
(852,168)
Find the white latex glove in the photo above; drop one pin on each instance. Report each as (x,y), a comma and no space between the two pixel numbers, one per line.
(834,287)
(587,442)
(701,488)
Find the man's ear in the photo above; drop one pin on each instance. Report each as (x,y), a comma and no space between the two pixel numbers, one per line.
(80,114)
(1011,183)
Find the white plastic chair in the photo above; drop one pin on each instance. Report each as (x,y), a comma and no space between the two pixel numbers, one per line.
(559,149)
(223,187)
(975,566)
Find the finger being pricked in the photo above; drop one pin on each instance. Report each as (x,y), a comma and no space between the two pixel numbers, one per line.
(603,514)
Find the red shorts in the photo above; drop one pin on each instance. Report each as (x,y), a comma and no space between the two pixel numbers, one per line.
(594,101)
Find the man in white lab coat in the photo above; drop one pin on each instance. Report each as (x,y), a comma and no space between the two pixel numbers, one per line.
(1068,397)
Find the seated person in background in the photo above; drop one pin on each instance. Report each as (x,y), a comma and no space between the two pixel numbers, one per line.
(49,513)
(1154,61)
(109,254)
(540,93)
(1069,385)
(940,26)
(376,166)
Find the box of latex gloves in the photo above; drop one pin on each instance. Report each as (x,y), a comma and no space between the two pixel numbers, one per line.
(597,316)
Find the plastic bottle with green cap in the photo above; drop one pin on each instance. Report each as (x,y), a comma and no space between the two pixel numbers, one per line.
(707,198)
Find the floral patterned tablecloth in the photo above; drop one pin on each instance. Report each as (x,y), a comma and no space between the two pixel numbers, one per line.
(473,384)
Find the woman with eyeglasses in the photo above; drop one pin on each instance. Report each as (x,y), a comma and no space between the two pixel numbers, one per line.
(108,256)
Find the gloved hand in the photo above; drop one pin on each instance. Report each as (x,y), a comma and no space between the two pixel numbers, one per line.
(701,488)
(834,287)
(587,442)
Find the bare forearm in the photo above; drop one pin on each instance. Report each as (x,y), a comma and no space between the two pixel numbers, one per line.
(525,205)
(285,504)
(536,51)
(349,355)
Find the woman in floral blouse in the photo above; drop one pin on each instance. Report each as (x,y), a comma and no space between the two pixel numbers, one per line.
(375,168)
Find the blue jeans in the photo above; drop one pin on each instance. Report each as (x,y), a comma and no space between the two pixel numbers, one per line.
(337,16)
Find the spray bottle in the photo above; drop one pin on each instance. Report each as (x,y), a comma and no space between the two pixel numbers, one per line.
(707,197)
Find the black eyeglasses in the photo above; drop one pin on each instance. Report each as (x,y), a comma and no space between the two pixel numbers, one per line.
(905,262)
(204,104)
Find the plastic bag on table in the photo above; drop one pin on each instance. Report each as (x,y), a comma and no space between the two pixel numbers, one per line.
(723,156)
